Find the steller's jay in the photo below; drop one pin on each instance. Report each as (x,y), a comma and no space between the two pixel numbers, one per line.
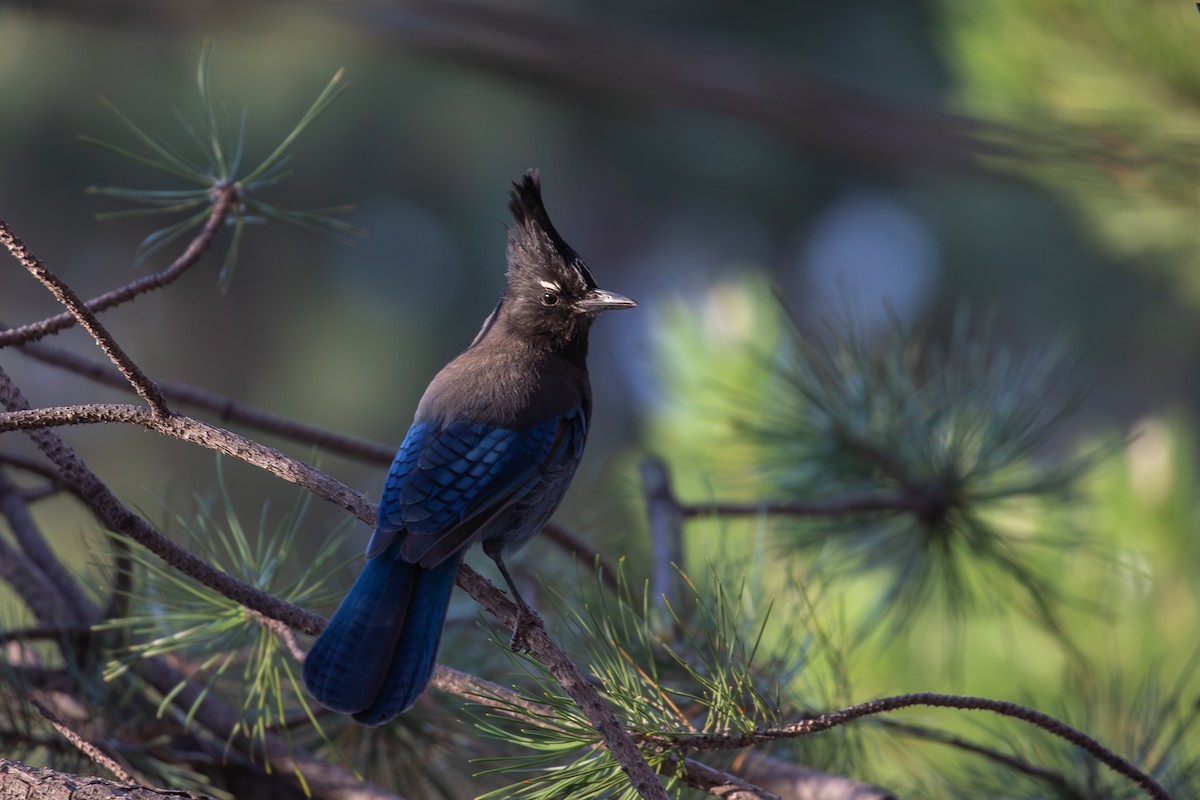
(491,451)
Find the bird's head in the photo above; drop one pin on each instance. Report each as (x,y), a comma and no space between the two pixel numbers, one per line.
(550,295)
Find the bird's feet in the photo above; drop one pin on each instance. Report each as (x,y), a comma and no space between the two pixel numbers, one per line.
(527,621)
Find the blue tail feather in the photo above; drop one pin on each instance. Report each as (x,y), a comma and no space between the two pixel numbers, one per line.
(379,649)
(416,649)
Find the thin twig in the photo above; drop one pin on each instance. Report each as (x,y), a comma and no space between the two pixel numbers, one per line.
(31,465)
(796,782)
(284,632)
(115,516)
(227,410)
(1050,776)
(31,541)
(224,196)
(573,543)
(38,493)
(46,632)
(485,692)
(87,318)
(833,507)
(718,783)
(87,748)
(582,57)
(665,510)
(32,586)
(196,432)
(823,722)
(665,515)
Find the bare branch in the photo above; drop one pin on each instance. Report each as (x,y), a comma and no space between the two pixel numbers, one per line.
(1050,776)
(665,510)
(18,780)
(87,318)
(36,493)
(203,434)
(571,542)
(83,745)
(117,517)
(485,692)
(323,780)
(284,632)
(31,465)
(665,516)
(32,586)
(733,741)
(227,410)
(224,197)
(720,784)
(31,541)
(590,57)
(796,782)
(849,505)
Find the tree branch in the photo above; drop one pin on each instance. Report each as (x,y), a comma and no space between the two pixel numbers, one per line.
(848,505)
(20,781)
(573,543)
(90,750)
(87,318)
(721,784)
(32,586)
(31,541)
(720,741)
(36,574)
(228,410)
(196,432)
(796,782)
(116,517)
(224,197)
(32,465)
(1044,774)
(591,57)
(324,780)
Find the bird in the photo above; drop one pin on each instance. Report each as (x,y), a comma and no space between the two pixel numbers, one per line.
(492,448)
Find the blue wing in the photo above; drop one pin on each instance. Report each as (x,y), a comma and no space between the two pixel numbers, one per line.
(446,482)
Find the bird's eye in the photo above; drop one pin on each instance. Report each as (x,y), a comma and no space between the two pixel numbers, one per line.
(549,299)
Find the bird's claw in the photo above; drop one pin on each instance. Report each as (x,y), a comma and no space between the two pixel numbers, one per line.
(527,621)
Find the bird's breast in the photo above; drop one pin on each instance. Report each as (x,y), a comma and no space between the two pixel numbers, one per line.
(509,390)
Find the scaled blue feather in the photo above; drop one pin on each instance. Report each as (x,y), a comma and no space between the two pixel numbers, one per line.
(379,650)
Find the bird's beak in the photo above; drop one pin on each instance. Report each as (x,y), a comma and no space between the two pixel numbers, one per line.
(599,300)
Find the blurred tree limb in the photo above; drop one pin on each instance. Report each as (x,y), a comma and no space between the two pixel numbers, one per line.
(611,63)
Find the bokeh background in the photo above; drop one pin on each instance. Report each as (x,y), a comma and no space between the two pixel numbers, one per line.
(1032,160)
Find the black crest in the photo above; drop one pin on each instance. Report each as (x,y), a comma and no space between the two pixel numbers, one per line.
(534,239)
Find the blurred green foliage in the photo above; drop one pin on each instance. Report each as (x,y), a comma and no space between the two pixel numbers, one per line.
(1105,100)
(1113,546)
